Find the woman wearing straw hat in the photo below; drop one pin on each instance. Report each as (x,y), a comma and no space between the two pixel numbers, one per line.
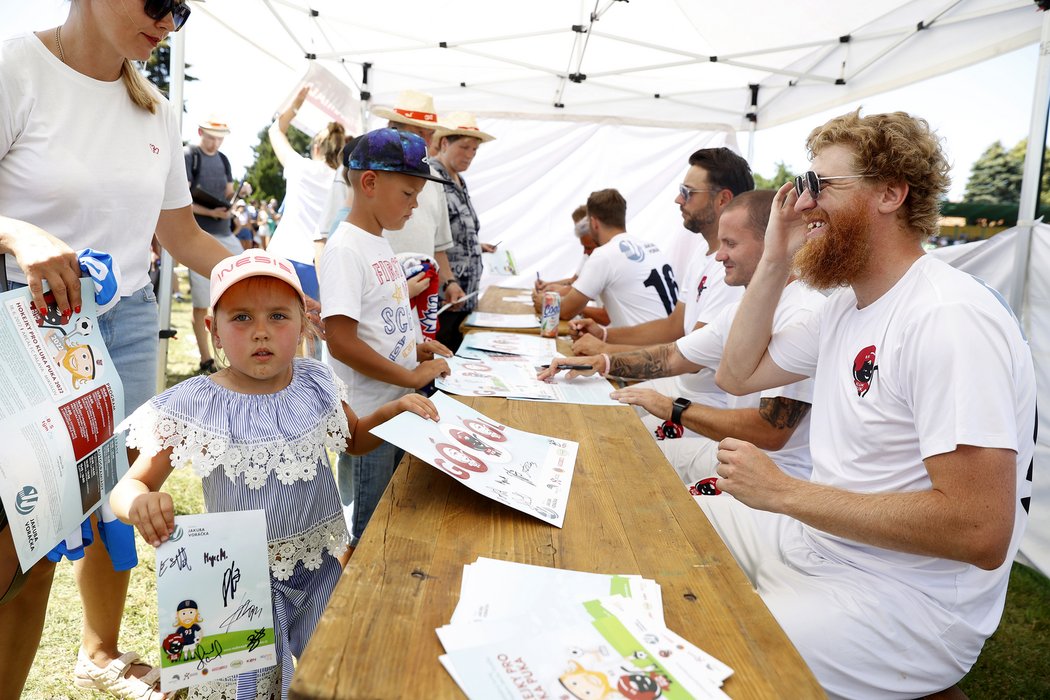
(458,138)
(428,231)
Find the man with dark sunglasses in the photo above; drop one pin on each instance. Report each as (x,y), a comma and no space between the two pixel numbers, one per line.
(888,567)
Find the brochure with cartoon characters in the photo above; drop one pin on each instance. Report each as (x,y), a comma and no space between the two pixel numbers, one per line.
(213,599)
(607,649)
(525,471)
(62,400)
(485,319)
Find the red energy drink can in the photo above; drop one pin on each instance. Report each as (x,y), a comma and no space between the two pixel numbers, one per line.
(551,315)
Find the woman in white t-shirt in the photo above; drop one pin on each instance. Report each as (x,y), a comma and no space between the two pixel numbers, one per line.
(309,184)
(91,156)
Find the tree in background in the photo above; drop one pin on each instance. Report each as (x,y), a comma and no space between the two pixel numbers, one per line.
(781,176)
(158,68)
(266,174)
(995,177)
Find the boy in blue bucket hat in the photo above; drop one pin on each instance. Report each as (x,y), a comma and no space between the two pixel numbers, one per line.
(370,327)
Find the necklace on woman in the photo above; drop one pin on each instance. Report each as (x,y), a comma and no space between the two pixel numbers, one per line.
(58,41)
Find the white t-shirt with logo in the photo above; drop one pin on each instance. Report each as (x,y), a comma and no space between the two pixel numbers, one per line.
(634,280)
(361,278)
(938,361)
(705,346)
(81,161)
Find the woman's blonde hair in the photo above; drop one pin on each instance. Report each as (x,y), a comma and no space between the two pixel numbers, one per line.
(329,143)
(140,90)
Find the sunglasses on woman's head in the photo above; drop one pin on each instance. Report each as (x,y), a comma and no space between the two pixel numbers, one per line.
(159,9)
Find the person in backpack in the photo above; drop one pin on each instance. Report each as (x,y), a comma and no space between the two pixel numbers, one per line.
(211,182)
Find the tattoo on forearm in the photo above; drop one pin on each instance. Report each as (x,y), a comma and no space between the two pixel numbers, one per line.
(782,413)
(642,364)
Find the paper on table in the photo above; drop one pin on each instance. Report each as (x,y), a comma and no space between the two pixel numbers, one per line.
(509,376)
(617,654)
(519,299)
(484,319)
(512,343)
(515,378)
(494,588)
(528,472)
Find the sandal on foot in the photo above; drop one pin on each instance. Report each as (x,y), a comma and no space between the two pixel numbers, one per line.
(116,678)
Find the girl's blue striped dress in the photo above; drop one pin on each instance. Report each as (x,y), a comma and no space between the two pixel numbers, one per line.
(265,451)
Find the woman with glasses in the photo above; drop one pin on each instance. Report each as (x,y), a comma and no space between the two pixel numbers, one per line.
(91,157)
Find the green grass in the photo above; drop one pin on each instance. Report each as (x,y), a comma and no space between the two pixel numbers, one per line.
(1013,664)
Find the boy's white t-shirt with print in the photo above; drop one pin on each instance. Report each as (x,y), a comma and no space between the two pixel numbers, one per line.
(362,279)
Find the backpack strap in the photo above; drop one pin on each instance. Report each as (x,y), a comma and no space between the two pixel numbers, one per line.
(195,165)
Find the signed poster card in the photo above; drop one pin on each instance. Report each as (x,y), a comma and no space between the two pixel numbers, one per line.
(62,399)
(213,599)
(525,471)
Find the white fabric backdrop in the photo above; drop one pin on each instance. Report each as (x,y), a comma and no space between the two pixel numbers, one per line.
(992,261)
(511,180)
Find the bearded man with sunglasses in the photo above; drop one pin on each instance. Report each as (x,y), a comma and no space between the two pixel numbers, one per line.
(888,568)
(91,157)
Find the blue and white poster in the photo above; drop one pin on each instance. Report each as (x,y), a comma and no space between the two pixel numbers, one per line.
(213,599)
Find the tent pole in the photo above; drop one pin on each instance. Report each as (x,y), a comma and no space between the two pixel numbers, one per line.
(1032,167)
(176,78)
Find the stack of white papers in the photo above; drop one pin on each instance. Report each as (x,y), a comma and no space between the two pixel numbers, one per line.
(532,631)
(484,319)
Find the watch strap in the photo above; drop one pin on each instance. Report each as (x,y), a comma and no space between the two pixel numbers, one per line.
(678,407)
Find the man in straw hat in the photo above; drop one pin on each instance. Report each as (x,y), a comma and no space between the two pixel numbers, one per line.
(428,230)
(211,181)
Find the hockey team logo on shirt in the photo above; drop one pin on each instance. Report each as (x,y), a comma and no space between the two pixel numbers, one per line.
(701,287)
(632,250)
(864,369)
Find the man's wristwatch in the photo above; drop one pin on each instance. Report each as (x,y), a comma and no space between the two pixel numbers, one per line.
(445,285)
(679,405)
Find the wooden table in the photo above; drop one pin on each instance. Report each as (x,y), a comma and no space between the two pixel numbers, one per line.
(627,513)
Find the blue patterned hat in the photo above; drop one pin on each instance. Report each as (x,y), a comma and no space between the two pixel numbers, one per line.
(392,151)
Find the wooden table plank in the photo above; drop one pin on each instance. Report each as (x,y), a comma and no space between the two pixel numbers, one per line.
(627,513)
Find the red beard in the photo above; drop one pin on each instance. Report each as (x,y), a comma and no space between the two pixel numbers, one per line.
(839,253)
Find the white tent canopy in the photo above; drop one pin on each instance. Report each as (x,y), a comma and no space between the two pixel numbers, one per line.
(692,61)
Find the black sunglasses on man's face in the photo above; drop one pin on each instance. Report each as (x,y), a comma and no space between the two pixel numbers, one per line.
(809,180)
(159,9)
